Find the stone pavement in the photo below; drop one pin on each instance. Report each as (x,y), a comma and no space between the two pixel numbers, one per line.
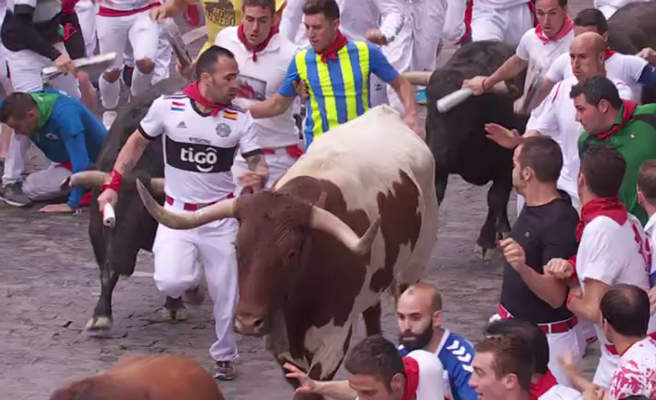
(49,286)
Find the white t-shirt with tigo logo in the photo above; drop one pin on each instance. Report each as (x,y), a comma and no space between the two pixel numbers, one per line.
(199,149)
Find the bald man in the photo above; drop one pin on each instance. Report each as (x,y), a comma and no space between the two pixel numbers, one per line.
(419,315)
(558,116)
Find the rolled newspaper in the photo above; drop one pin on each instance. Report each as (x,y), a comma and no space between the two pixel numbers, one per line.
(451,100)
(109,216)
(177,43)
(93,66)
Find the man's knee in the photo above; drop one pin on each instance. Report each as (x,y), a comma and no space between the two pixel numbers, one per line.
(112,75)
(172,284)
(146,66)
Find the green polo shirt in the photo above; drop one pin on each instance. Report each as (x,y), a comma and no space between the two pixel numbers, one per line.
(636,141)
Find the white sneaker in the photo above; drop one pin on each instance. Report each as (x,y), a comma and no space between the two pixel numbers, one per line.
(108,118)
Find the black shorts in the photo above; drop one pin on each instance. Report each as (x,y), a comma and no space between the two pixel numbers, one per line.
(73,39)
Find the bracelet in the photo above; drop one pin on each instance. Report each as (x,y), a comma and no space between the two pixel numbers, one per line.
(114,182)
(570,297)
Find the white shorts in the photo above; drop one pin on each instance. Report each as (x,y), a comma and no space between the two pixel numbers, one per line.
(141,31)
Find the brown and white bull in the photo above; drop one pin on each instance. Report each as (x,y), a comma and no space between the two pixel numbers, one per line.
(356,215)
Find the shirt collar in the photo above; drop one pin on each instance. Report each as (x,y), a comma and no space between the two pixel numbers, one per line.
(650,224)
(445,337)
(274,43)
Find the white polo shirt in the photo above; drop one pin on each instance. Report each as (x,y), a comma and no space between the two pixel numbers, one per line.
(626,68)
(261,80)
(610,253)
(199,149)
(540,56)
(558,120)
(650,231)
(636,372)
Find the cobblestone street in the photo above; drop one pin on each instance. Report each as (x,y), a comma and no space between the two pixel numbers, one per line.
(49,285)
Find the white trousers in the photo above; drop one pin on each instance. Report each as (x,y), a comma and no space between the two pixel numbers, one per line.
(502,25)
(415,47)
(162,57)
(86,14)
(176,270)
(608,11)
(44,185)
(278,164)
(113,33)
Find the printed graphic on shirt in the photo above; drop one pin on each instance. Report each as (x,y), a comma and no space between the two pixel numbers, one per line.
(636,375)
(221,12)
(198,157)
(251,88)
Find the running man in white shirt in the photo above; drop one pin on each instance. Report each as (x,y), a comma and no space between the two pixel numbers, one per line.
(202,131)
(263,56)
(633,70)
(537,50)
(119,22)
(558,118)
(377,371)
(625,313)
(544,385)
(611,250)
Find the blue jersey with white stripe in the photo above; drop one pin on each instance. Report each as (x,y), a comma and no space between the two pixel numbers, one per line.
(456,355)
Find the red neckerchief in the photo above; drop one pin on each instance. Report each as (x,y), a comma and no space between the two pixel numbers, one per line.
(609,53)
(544,384)
(567,27)
(627,112)
(331,51)
(412,378)
(610,207)
(259,47)
(192,91)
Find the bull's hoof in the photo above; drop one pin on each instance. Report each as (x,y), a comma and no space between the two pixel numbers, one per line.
(99,324)
(178,314)
(483,253)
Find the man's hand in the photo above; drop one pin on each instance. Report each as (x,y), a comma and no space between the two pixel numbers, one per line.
(514,253)
(502,136)
(475,84)
(301,90)
(559,268)
(648,54)
(108,196)
(652,300)
(258,174)
(186,72)
(62,208)
(411,120)
(306,385)
(375,36)
(65,64)
(158,13)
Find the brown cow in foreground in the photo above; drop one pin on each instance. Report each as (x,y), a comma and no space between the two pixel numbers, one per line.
(165,377)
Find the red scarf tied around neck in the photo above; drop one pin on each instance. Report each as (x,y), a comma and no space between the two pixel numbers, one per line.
(609,53)
(567,27)
(628,108)
(194,94)
(259,47)
(610,207)
(546,382)
(331,51)
(412,378)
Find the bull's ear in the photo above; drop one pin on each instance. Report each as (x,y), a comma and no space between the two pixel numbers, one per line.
(321,201)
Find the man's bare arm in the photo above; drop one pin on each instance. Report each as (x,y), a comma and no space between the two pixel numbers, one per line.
(339,390)
(549,289)
(508,70)
(131,152)
(403,89)
(271,107)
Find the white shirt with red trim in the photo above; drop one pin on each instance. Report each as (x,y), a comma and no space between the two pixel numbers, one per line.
(199,149)
(547,388)
(636,372)
(627,68)
(558,120)
(260,80)
(611,253)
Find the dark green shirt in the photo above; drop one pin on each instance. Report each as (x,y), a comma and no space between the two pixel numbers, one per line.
(636,141)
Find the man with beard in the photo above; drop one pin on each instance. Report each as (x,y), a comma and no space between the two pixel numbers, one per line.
(419,315)
(545,226)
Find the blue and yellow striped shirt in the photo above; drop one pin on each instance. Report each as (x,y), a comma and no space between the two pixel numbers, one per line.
(339,89)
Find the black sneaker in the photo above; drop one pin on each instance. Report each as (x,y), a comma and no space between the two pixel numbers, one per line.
(126,75)
(13,195)
(225,371)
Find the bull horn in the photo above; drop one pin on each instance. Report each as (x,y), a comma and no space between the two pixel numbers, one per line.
(419,78)
(157,184)
(87,179)
(181,221)
(325,221)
